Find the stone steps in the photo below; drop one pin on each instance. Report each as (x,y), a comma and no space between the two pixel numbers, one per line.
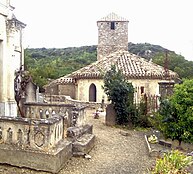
(83,145)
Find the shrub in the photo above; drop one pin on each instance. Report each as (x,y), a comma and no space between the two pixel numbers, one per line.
(173,163)
(120,93)
(175,115)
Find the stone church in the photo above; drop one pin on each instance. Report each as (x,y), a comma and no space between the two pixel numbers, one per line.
(86,84)
(11,56)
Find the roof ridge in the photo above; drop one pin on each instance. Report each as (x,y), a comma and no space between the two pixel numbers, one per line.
(113,17)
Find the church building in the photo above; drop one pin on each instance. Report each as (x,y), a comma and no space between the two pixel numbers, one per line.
(11,56)
(86,83)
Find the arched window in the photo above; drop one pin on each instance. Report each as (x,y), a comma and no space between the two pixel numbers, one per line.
(19,136)
(9,135)
(92,93)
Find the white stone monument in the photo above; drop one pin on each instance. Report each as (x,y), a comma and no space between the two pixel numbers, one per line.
(11,56)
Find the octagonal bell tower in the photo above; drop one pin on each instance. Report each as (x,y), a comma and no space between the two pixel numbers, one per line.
(112,35)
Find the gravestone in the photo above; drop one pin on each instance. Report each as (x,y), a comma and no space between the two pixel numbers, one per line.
(110,119)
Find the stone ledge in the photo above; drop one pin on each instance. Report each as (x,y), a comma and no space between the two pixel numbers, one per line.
(155,150)
(50,162)
(83,145)
(76,132)
(152,152)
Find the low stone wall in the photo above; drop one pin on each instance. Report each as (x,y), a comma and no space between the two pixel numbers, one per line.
(69,100)
(93,105)
(46,110)
(54,99)
(73,115)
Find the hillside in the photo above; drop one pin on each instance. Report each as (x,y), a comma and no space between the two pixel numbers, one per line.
(45,64)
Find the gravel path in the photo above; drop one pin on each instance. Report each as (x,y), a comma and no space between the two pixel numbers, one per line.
(113,153)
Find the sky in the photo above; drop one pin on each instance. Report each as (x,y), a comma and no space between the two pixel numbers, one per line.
(72,23)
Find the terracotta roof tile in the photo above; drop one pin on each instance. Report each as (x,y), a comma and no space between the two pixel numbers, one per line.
(62,80)
(131,65)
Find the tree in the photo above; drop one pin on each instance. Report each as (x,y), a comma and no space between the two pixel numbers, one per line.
(175,116)
(120,93)
(183,103)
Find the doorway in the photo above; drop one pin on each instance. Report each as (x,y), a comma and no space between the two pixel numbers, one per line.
(92,93)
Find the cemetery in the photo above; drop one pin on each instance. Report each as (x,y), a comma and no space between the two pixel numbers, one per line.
(86,121)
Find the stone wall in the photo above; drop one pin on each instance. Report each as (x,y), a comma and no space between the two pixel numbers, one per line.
(83,90)
(62,89)
(73,115)
(93,105)
(68,100)
(67,89)
(150,87)
(142,86)
(111,40)
(52,89)
(46,110)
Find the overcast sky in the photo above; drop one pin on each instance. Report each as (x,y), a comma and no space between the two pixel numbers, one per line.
(72,23)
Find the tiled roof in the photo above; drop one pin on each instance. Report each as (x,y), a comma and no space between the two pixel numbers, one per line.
(62,80)
(112,17)
(131,65)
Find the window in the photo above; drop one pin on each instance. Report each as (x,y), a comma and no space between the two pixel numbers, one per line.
(112,25)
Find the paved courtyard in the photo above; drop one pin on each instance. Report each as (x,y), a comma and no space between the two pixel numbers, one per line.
(114,153)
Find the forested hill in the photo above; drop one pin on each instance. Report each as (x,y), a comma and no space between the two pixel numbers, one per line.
(46,64)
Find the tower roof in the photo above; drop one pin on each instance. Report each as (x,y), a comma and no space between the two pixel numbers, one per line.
(112,17)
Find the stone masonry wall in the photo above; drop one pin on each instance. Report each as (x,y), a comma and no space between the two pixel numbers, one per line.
(111,40)
(67,89)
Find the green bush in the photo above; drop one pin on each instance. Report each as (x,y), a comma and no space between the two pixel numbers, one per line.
(173,163)
(175,115)
(120,93)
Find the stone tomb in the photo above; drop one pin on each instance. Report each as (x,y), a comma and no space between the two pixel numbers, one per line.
(39,141)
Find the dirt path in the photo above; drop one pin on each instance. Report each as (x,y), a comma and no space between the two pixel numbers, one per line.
(113,153)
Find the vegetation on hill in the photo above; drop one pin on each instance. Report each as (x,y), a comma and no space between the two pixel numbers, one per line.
(45,64)
(48,64)
(145,50)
